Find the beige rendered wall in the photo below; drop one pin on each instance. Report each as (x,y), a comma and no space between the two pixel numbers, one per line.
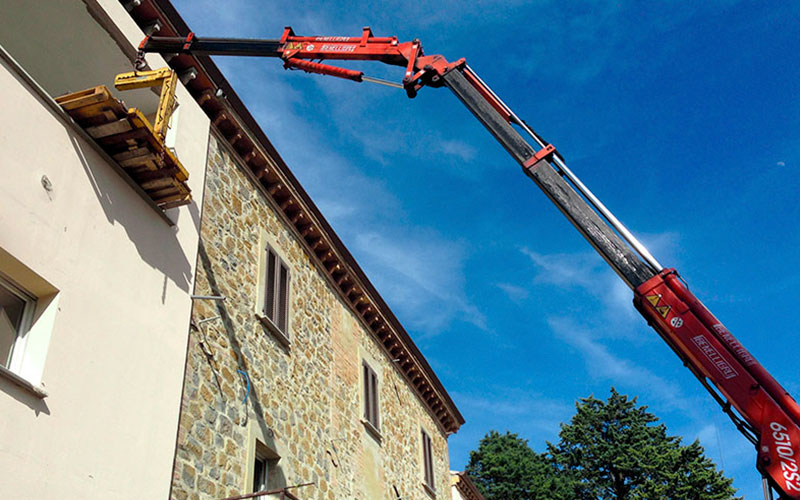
(114,361)
(305,401)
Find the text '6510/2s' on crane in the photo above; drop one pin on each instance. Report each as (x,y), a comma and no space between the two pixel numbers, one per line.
(756,403)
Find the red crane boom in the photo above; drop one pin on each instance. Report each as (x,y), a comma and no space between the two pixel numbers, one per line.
(764,411)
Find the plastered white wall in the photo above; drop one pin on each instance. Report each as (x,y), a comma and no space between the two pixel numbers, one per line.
(114,363)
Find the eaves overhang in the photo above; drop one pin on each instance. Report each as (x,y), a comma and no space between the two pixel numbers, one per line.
(462,482)
(246,139)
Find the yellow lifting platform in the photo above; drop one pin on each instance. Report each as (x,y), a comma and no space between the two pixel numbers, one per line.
(129,137)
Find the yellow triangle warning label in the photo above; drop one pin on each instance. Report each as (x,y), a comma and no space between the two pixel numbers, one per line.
(653,299)
(663,310)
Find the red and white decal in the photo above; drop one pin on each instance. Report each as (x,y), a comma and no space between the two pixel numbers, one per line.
(329,47)
(714,356)
(331,38)
(734,344)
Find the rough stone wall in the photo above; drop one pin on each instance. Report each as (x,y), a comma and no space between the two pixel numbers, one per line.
(304,400)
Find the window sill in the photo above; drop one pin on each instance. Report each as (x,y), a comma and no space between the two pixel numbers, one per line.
(274,330)
(373,431)
(36,390)
(430,491)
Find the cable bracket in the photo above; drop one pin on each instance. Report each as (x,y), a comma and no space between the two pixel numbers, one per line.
(546,153)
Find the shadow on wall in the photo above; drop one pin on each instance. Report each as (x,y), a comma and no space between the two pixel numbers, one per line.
(155,241)
(23,396)
(277,477)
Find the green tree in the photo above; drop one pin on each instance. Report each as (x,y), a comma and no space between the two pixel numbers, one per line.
(504,467)
(610,450)
(615,450)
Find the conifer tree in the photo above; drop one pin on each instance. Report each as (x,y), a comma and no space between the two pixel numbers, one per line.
(610,450)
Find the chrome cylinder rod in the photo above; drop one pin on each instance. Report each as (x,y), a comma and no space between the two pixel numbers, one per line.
(582,189)
(767,488)
(381,81)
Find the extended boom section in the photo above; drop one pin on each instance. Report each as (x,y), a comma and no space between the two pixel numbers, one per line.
(764,411)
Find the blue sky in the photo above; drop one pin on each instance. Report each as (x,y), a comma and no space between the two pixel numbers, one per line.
(682,117)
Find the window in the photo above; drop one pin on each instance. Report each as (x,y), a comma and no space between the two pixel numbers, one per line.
(28,308)
(16,312)
(266,473)
(371,397)
(260,470)
(276,291)
(427,460)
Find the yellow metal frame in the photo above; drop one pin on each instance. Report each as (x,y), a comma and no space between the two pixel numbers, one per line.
(164,77)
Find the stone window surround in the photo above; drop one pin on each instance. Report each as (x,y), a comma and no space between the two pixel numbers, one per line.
(368,360)
(261,442)
(371,384)
(265,241)
(426,459)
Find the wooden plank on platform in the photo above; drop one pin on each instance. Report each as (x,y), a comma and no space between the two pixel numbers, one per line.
(113,128)
(133,135)
(161,183)
(172,161)
(176,203)
(129,138)
(84,97)
(171,198)
(139,157)
(155,174)
(110,109)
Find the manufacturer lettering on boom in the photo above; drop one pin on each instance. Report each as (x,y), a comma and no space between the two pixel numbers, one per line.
(715,357)
(338,48)
(737,347)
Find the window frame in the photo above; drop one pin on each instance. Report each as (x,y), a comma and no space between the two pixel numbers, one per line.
(269,479)
(428,476)
(371,415)
(17,352)
(273,306)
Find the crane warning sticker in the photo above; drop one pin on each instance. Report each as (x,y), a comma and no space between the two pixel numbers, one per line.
(654,300)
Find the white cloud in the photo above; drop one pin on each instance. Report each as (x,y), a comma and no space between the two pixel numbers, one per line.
(514,292)
(781,163)
(457,148)
(417,270)
(421,274)
(533,416)
(602,364)
(588,272)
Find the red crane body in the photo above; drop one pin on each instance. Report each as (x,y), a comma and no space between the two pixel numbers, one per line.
(764,411)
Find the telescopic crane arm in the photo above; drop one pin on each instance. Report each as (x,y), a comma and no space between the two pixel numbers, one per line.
(765,412)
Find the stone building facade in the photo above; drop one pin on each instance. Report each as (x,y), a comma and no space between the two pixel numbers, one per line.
(304,409)
(302,375)
(311,383)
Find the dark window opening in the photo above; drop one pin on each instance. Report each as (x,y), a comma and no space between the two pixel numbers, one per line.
(276,292)
(371,413)
(427,454)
